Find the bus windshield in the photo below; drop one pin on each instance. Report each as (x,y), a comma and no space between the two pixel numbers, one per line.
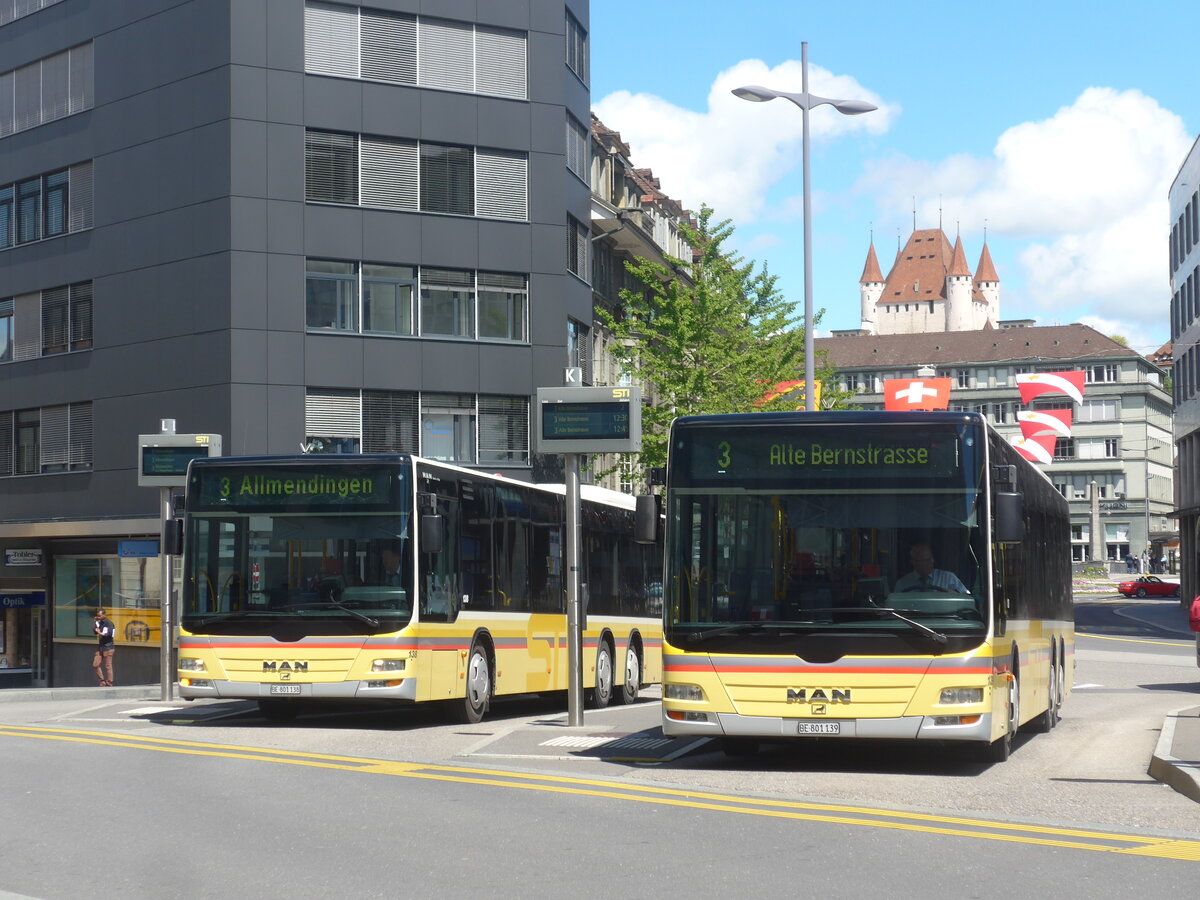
(317,548)
(785,533)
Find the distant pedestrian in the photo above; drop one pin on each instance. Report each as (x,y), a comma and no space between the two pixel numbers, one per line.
(1130,563)
(102,662)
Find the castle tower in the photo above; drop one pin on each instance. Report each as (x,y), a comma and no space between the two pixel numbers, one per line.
(870,288)
(987,290)
(959,285)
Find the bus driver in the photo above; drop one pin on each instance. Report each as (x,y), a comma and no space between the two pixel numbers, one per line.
(924,577)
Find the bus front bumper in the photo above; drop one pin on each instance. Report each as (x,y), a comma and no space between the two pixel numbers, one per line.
(925,728)
(338,690)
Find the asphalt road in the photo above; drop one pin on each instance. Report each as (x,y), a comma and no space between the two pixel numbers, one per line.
(139,799)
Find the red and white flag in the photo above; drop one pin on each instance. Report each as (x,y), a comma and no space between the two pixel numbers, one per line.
(1034,384)
(1039,448)
(916,393)
(1040,420)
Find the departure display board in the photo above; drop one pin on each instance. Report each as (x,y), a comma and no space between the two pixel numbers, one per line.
(589,420)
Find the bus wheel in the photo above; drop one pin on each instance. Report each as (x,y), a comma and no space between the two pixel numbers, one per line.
(479,685)
(278,710)
(1045,721)
(999,750)
(602,693)
(633,676)
(1060,675)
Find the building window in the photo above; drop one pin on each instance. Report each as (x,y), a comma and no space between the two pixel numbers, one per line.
(330,167)
(503,430)
(347,42)
(1101,374)
(1064,448)
(578,346)
(1094,410)
(578,145)
(851,381)
(1110,448)
(45,323)
(47,440)
(577,48)
(447,303)
(10,10)
(404,174)
(578,244)
(448,427)
(55,213)
(963,378)
(332,421)
(29,207)
(331,295)
(503,301)
(387,293)
(447,179)
(46,89)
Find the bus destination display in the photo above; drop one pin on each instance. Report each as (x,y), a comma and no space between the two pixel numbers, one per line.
(293,488)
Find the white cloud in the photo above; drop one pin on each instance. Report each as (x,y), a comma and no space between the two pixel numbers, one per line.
(729,155)
(1086,188)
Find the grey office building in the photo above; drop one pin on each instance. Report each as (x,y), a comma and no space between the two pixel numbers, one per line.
(349,227)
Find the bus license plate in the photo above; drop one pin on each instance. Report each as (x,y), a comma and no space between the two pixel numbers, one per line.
(819,727)
(283,689)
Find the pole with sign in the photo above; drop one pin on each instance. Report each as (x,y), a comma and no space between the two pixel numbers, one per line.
(162,463)
(571,421)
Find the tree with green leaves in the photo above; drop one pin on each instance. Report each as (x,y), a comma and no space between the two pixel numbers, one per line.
(707,335)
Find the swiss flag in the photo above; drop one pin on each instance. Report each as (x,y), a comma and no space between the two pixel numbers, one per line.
(916,393)
(1034,384)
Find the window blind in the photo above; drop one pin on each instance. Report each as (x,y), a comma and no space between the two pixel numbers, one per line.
(447,179)
(389,47)
(501,184)
(6,443)
(331,39)
(332,413)
(81,436)
(389,173)
(79,197)
(391,422)
(331,167)
(503,429)
(55,320)
(446,54)
(53,448)
(500,62)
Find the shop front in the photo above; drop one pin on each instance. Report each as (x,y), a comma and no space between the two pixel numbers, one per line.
(23,647)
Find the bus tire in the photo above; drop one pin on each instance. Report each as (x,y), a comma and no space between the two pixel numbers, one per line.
(478,694)
(999,750)
(633,676)
(1046,720)
(1060,673)
(602,693)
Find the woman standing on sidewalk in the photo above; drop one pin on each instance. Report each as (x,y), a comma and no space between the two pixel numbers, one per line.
(104,652)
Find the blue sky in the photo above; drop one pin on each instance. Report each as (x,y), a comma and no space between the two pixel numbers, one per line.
(1062,124)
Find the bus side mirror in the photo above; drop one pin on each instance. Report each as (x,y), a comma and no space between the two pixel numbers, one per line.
(172,537)
(1010,517)
(432,539)
(645,519)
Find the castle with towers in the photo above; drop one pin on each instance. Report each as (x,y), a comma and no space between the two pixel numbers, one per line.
(929,289)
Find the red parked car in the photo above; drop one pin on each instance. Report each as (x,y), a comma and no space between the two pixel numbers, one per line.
(1148,586)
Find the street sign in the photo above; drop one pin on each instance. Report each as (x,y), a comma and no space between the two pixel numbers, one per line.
(163,458)
(589,420)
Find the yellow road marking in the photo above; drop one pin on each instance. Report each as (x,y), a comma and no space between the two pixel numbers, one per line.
(1079,839)
(1180,642)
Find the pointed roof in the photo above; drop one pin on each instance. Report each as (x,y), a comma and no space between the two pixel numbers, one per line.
(919,272)
(958,264)
(985,271)
(871,273)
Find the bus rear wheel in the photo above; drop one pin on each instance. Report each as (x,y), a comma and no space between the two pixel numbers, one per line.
(633,676)
(602,693)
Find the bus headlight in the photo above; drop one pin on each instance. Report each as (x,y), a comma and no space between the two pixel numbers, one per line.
(387,665)
(961,695)
(683,692)
(188,664)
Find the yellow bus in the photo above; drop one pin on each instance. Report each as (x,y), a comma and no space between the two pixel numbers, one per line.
(790,609)
(346,577)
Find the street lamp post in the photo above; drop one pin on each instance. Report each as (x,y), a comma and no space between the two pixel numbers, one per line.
(805,101)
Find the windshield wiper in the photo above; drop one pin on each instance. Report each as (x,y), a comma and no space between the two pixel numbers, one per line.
(732,628)
(937,636)
(222,618)
(367,620)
